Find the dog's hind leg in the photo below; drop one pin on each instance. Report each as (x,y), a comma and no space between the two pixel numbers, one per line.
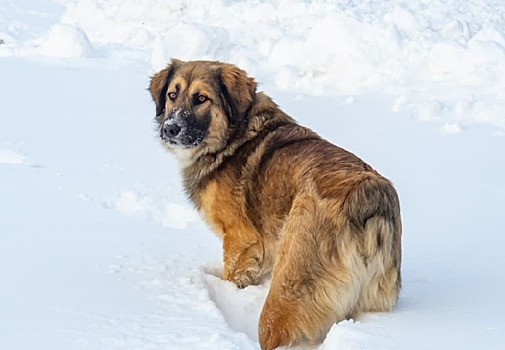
(317,277)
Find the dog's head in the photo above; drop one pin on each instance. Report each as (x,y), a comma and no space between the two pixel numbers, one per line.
(200,104)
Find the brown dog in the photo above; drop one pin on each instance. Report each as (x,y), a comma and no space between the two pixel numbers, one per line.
(283,200)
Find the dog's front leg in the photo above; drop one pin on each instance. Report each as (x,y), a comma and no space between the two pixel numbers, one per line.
(243,259)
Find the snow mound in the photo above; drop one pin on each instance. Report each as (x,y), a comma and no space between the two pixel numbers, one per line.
(66,41)
(412,50)
(159,210)
(452,128)
(351,335)
(186,41)
(241,308)
(11,157)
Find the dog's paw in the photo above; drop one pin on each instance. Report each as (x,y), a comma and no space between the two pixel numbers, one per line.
(243,269)
(244,278)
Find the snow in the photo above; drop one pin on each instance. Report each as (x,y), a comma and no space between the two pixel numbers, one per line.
(160,210)
(66,41)
(99,248)
(10,157)
(413,51)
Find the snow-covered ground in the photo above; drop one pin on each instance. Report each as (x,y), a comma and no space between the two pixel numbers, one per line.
(98,246)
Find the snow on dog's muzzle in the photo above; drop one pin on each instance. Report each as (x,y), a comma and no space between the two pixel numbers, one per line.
(183,128)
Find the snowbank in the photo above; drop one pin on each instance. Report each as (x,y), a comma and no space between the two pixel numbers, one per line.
(442,61)
(160,210)
(11,157)
(66,41)
(412,50)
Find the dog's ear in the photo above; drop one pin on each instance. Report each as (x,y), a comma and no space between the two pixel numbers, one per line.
(159,85)
(238,90)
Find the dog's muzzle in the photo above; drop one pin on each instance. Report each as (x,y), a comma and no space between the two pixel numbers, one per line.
(182,129)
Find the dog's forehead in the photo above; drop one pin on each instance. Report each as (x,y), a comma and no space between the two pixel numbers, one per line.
(195,74)
(198,70)
(201,67)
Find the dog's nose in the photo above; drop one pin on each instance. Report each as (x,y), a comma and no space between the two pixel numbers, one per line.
(171,130)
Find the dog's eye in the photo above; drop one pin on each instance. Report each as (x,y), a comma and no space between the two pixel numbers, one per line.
(201,99)
(172,95)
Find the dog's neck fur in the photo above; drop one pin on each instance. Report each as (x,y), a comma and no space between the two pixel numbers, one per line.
(263,117)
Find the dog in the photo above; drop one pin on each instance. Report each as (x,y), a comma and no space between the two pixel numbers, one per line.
(323,224)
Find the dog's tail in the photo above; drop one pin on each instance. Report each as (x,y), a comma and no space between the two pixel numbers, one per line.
(374,209)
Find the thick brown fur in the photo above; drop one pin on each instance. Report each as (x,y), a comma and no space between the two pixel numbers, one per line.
(285,202)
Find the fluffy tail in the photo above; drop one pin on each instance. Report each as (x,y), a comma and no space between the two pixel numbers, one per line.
(374,209)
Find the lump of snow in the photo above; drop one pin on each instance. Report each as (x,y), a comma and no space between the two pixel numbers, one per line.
(406,21)
(177,216)
(11,157)
(66,41)
(187,42)
(429,111)
(444,59)
(159,210)
(452,128)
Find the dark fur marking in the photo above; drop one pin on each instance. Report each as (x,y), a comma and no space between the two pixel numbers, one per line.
(231,110)
(268,154)
(379,241)
(162,98)
(372,198)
